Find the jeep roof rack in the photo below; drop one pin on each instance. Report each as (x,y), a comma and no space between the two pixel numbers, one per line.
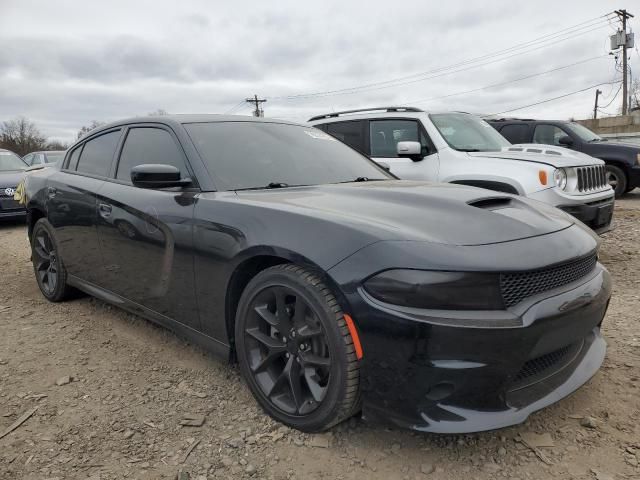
(509,119)
(359,110)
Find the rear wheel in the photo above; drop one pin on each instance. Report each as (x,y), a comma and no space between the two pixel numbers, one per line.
(617,179)
(47,264)
(295,350)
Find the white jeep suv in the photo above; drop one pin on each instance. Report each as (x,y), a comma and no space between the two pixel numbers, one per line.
(461,148)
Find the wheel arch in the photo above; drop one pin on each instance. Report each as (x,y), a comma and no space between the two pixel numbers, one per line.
(252,264)
(33,215)
(495,185)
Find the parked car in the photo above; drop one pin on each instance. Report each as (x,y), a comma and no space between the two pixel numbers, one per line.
(337,287)
(622,160)
(43,158)
(461,148)
(11,173)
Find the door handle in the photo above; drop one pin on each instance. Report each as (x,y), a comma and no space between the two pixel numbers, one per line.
(105,209)
(52,191)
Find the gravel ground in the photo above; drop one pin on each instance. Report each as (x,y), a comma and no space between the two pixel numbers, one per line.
(112,390)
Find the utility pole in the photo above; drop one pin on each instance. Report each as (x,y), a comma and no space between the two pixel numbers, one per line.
(258,112)
(595,107)
(624,15)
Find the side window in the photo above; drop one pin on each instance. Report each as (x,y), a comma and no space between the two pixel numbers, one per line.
(351,133)
(73,158)
(549,134)
(97,154)
(149,145)
(38,159)
(385,134)
(28,159)
(516,133)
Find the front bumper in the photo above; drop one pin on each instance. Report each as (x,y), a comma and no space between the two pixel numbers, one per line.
(472,371)
(594,209)
(596,215)
(11,214)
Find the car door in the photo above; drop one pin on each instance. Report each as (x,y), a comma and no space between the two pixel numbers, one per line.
(384,135)
(146,234)
(71,204)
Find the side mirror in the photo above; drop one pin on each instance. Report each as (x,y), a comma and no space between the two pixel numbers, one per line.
(386,166)
(157,176)
(412,150)
(565,140)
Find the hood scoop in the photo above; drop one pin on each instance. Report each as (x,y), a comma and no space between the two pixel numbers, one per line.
(491,203)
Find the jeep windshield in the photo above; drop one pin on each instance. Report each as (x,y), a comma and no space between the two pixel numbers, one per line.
(584,133)
(263,155)
(9,161)
(468,133)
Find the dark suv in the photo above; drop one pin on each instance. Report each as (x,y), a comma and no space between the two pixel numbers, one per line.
(623,160)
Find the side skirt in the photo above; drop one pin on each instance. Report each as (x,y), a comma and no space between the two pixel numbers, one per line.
(184,331)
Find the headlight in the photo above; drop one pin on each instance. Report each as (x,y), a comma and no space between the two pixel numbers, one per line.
(560,178)
(437,290)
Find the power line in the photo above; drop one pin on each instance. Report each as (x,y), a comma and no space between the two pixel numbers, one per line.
(235,107)
(486,87)
(573,31)
(549,99)
(614,97)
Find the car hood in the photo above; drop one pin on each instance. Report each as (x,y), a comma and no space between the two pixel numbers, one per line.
(596,148)
(558,157)
(11,178)
(420,211)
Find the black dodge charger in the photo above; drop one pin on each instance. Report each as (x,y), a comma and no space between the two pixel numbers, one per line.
(336,287)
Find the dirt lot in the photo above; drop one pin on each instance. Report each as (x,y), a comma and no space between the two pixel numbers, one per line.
(131,384)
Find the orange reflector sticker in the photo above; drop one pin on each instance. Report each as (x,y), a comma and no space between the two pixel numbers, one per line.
(354,335)
(542,175)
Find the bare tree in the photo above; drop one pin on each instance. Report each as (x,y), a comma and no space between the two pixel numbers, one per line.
(56,145)
(635,95)
(87,128)
(21,136)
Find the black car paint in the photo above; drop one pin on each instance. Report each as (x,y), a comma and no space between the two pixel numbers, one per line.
(180,254)
(622,155)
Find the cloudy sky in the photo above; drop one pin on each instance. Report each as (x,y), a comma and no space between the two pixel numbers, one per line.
(65,63)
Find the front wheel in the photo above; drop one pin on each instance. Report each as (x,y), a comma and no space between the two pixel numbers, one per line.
(617,179)
(47,264)
(295,350)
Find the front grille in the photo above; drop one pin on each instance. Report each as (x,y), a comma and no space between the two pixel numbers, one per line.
(517,286)
(544,366)
(591,178)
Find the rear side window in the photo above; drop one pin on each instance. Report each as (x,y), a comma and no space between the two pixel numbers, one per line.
(385,135)
(97,154)
(516,133)
(149,145)
(351,133)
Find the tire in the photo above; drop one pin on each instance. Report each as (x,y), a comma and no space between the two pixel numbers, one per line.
(617,179)
(47,264)
(306,376)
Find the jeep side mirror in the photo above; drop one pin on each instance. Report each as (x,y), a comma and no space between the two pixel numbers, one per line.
(412,150)
(566,140)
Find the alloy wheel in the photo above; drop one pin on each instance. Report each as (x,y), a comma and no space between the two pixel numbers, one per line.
(46,262)
(612,179)
(287,351)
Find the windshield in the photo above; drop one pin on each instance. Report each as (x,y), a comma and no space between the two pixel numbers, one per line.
(54,157)
(244,155)
(468,133)
(10,161)
(583,132)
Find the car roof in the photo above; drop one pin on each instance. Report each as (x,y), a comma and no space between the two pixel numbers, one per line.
(383,112)
(181,119)
(528,120)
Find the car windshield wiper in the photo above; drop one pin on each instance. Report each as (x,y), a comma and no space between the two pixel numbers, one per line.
(269,186)
(364,179)
(469,150)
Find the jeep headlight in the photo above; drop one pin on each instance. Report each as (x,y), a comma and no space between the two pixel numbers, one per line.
(560,178)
